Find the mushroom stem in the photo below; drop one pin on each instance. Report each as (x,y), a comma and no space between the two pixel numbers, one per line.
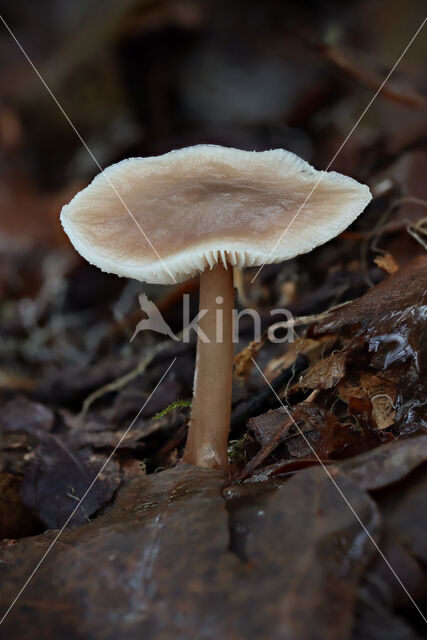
(210,416)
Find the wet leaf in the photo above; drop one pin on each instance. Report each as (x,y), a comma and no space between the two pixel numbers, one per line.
(375,620)
(387,464)
(57,477)
(23,415)
(381,582)
(395,306)
(312,435)
(404,512)
(173,564)
(400,290)
(390,320)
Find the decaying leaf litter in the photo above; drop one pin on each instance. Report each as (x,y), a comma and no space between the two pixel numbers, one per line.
(181,552)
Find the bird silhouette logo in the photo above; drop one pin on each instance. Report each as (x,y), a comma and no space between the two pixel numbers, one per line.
(154,321)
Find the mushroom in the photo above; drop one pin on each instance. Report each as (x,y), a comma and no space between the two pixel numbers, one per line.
(203,210)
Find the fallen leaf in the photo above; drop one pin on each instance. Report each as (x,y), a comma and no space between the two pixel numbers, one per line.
(315,349)
(57,477)
(375,615)
(380,392)
(382,584)
(404,513)
(11,380)
(16,521)
(97,431)
(22,415)
(73,384)
(390,321)
(243,361)
(269,426)
(387,263)
(386,464)
(384,308)
(128,403)
(318,429)
(326,373)
(268,429)
(173,564)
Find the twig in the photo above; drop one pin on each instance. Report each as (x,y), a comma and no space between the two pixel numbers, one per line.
(378,230)
(370,78)
(303,320)
(419,229)
(264,452)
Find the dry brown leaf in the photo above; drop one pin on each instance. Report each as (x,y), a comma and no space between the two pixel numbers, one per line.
(313,349)
(243,362)
(387,263)
(326,373)
(383,411)
(380,391)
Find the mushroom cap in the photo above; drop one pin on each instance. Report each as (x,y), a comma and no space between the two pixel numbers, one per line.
(164,219)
